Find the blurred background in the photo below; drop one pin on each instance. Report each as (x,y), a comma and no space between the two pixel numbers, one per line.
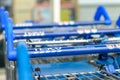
(44,10)
(53,10)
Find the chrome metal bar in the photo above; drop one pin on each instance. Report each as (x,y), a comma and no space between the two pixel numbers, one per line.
(95,76)
(45,77)
(72,41)
(74,76)
(114,76)
(65,41)
(64,76)
(104,76)
(55,77)
(114,39)
(85,76)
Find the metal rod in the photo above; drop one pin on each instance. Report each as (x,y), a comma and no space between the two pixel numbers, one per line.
(117,77)
(45,77)
(55,77)
(95,76)
(104,75)
(74,76)
(65,41)
(73,41)
(85,76)
(60,74)
(63,76)
(114,39)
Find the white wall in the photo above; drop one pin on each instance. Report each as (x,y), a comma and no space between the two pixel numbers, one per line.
(87,8)
(98,2)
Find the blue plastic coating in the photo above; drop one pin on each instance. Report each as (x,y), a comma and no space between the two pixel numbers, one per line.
(10,44)
(2,17)
(23,64)
(49,25)
(6,23)
(59,51)
(118,22)
(67,52)
(101,11)
(66,34)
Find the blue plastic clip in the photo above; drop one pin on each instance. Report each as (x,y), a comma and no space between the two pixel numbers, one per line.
(109,63)
(110,68)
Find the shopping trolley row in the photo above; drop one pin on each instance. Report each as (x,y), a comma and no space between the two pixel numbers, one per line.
(43,40)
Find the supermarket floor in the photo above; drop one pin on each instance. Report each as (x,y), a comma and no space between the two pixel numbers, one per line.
(2,74)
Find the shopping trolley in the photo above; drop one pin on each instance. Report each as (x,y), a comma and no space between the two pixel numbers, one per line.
(76,41)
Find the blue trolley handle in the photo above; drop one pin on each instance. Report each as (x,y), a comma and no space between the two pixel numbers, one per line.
(118,22)
(59,51)
(101,11)
(2,17)
(23,64)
